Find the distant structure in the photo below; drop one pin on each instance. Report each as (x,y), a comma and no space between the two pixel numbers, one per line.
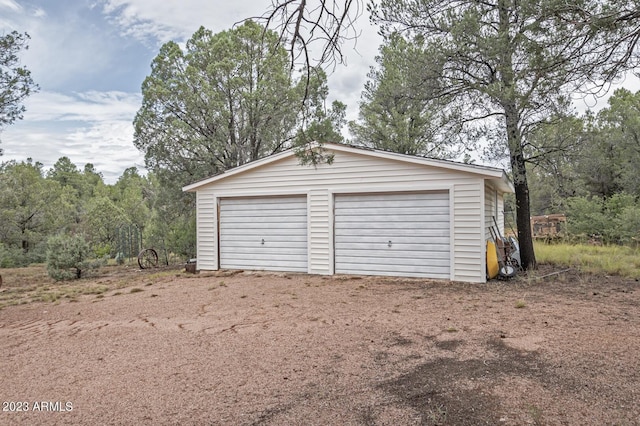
(549,227)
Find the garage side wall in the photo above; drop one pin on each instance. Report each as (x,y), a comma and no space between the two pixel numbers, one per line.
(493,207)
(490,209)
(501,214)
(351,173)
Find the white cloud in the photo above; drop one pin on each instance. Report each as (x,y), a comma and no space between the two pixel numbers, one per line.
(90,106)
(78,55)
(39,13)
(173,20)
(10,4)
(108,146)
(169,20)
(60,50)
(89,127)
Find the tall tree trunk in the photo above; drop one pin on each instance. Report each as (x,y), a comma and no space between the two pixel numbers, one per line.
(523,212)
(25,242)
(514,141)
(519,171)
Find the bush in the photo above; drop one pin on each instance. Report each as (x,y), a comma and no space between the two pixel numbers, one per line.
(15,257)
(8,257)
(616,219)
(68,257)
(629,225)
(585,217)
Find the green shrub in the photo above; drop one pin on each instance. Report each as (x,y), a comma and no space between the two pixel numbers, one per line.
(102,249)
(7,257)
(629,225)
(585,217)
(616,220)
(15,257)
(68,257)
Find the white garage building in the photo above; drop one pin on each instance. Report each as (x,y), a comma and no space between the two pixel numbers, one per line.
(369,212)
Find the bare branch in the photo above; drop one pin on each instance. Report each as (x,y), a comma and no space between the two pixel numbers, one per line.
(315,34)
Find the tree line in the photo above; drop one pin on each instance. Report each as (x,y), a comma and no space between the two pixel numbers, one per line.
(221,101)
(452,79)
(592,173)
(37,204)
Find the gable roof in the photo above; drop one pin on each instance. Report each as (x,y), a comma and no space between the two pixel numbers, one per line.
(496,175)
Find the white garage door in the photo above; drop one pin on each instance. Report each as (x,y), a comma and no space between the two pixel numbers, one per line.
(264,233)
(403,234)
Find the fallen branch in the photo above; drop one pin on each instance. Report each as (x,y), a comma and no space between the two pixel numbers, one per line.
(551,274)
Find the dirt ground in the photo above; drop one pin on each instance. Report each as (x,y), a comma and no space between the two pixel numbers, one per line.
(269,349)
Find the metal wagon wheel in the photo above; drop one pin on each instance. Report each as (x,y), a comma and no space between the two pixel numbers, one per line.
(148,258)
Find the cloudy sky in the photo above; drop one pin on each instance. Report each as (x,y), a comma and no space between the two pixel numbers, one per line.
(89,58)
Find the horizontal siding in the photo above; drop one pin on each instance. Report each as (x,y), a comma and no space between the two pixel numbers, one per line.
(468,232)
(501,223)
(347,170)
(491,211)
(353,173)
(494,207)
(206,235)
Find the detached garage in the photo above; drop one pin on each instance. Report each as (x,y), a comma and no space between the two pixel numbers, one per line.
(369,212)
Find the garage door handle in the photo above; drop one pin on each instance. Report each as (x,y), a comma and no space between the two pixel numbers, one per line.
(389,243)
(262,241)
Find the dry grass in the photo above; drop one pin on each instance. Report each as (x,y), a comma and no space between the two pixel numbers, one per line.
(609,260)
(32,284)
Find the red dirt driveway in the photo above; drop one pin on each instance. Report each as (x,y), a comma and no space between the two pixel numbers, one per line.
(272,349)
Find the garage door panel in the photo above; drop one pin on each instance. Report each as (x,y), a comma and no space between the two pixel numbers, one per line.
(264,233)
(438,265)
(417,224)
(376,209)
(259,203)
(397,254)
(258,217)
(399,239)
(378,262)
(397,258)
(383,226)
(255,219)
(383,198)
(258,228)
(252,245)
(366,218)
(282,255)
(401,270)
(271,226)
(352,234)
(399,249)
(271,265)
(279,241)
